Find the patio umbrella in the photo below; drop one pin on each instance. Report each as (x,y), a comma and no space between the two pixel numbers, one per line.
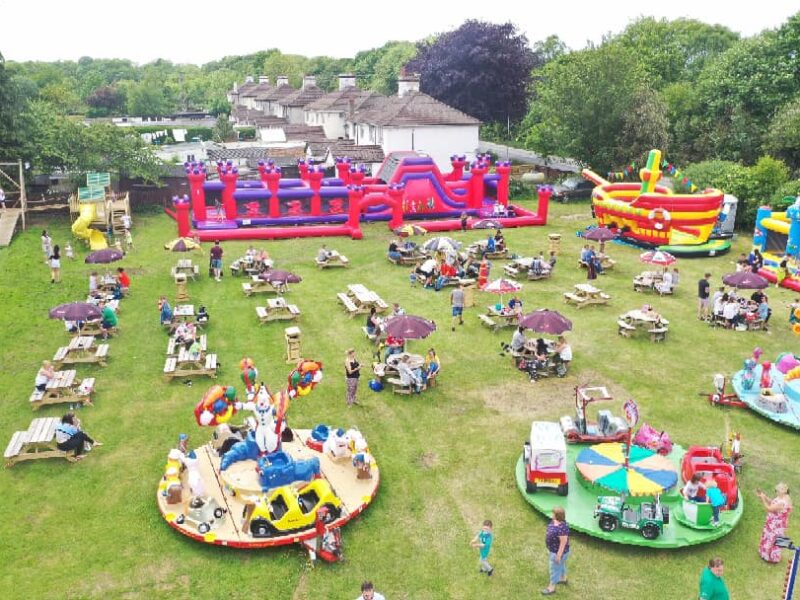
(487,224)
(546,321)
(75,311)
(502,286)
(409,230)
(279,276)
(745,280)
(107,255)
(600,234)
(441,243)
(647,474)
(657,257)
(409,327)
(182,244)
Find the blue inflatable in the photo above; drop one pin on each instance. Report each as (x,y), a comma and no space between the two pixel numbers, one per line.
(244,450)
(320,433)
(375,385)
(279,469)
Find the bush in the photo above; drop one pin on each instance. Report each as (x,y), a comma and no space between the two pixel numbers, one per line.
(786,194)
(204,133)
(247,133)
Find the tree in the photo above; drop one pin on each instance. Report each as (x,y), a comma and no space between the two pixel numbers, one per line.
(783,136)
(223,130)
(147,98)
(583,103)
(644,125)
(480,68)
(105,100)
(13,125)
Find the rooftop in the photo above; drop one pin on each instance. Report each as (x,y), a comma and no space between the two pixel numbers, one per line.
(303,96)
(414,108)
(340,100)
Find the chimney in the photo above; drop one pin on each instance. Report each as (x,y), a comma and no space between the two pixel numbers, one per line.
(309,80)
(248,79)
(263,79)
(281,80)
(407,83)
(346,80)
(235,88)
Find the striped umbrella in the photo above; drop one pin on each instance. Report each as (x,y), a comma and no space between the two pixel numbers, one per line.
(657,257)
(409,230)
(647,474)
(182,244)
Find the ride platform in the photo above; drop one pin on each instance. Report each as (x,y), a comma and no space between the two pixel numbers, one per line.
(783,406)
(581,501)
(232,489)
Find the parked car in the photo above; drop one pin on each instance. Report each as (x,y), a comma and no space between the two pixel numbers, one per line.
(572,188)
(545,455)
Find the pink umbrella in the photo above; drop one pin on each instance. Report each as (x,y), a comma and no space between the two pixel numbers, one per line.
(657,257)
(409,327)
(502,286)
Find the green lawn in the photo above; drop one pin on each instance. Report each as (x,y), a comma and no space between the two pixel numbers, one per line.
(92,530)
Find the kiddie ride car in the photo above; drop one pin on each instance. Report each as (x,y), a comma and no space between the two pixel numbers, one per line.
(545,455)
(204,514)
(708,462)
(649,517)
(288,509)
(608,428)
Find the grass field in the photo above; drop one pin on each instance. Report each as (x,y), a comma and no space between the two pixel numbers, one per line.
(92,530)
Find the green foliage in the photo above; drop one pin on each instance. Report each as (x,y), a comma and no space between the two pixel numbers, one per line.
(223,130)
(377,69)
(204,133)
(786,194)
(783,136)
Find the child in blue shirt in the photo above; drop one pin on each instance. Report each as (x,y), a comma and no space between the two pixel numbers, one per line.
(483,540)
(717,500)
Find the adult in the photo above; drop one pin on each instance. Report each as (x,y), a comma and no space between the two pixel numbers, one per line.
(2,199)
(500,241)
(563,355)
(409,376)
(763,311)
(712,586)
(756,260)
(368,592)
(676,277)
(55,265)
(92,282)
(69,436)
(44,376)
(778,510)
(666,284)
(352,372)
(457,305)
(216,261)
(518,340)
(431,366)
(323,255)
(123,280)
(464,221)
(591,264)
(165,311)
(373,323)
(491,246)
(556,540)
(47,245)
(393,252)
(108,319)
(703,288)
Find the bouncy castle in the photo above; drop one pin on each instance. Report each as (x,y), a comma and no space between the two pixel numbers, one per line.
(777,236)
(649,214)
(408,186)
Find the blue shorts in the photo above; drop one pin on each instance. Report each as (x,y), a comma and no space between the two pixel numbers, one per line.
(458,311)
(216,263)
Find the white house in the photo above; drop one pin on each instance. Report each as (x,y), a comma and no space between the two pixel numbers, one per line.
(415,121)
(291,106)
(268,101)
(331,110)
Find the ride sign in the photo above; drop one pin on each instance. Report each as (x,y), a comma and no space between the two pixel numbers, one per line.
(631,413)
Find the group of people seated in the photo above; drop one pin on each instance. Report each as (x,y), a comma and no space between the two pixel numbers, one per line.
(122,284)
(419,377)
(437,272)
(167,315)
(536,360)
(500,210)
(253,259)
(732,310)
(395,247)
(592,260)
(540,265)
(750,262)
(496,243)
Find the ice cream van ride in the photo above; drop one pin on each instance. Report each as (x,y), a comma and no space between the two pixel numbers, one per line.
(545,455)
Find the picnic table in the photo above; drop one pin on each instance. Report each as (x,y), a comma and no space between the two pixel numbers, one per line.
(606,262)
(523,264)
(648,280)
(258,285)
(586,294)
(186,267)
(334,260)
(185,365)
(638,320)
(107,298)
(39,441)
(359,300)
(408,256)
(478,250)
(64,387)
(89,328)
(250,265)
(81,349)
(277,309)
(107,283)
(388,370)
(185,312)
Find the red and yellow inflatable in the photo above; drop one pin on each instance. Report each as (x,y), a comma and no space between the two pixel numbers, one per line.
(217,406)
(304,378)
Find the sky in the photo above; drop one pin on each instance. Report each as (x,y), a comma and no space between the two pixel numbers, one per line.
(201,31)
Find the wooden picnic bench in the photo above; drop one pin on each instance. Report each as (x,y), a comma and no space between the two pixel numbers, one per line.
(658,334)
(94,328)
(625,328)
(334,260)
(398,387)
(277,310)
(349,305)
(258,285)
(486,320)
(81,350)
(39,441)
(64,387)
(570,298)
(543,274)
(173,347)
(407,259)
(173,368)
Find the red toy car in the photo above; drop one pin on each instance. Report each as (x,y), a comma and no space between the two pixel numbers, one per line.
(708,462)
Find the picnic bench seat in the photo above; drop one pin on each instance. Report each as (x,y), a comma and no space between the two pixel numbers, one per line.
(173,348)
(511,270)
(570,297)
(658,334)
(290,313)
(172,368)
(39,441)
(493,325)
(625,329)
(398,387)
(339,260)
(60,354)
(349,305)
(544,274)
(247,288)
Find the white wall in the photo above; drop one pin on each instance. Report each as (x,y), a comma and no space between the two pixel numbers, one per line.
(332,122)
(440,142)
(295,114)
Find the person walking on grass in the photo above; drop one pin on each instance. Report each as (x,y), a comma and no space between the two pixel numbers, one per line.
(47,246)
(368,592)
(557,542)
(457,304)
(712,586)
(216,260)
(55,265)
(703,293)
(352,372)
(483,541)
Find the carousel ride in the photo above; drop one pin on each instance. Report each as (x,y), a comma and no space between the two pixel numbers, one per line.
(262,483)
(623,492)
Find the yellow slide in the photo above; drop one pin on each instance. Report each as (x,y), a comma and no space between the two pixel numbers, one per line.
(81,229)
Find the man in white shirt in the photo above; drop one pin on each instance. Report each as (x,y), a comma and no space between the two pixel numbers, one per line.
(368,592)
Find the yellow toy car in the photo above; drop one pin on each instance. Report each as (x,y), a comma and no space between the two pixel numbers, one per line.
(288,509)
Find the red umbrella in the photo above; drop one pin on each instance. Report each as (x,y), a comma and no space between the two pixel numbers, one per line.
(546,321)
(745,280)
(502,286)
(409,327)
(657,257)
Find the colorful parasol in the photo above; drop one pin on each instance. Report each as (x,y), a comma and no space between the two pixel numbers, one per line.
(441,243)
(409,230)
(657,257)
(648,472)
(182,244)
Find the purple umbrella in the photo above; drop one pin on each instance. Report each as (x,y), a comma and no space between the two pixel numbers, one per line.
(107,255)
(409,327)
(487,224)
(599,234)
(279,276)
(745,280)
(76,311)
(546,321)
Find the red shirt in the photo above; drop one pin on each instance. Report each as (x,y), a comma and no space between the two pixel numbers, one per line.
(124,280)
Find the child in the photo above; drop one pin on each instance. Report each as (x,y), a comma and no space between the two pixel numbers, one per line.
(128,241)
(412,277)
(68,252)
(483,540)
(716,498)
(463,221)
